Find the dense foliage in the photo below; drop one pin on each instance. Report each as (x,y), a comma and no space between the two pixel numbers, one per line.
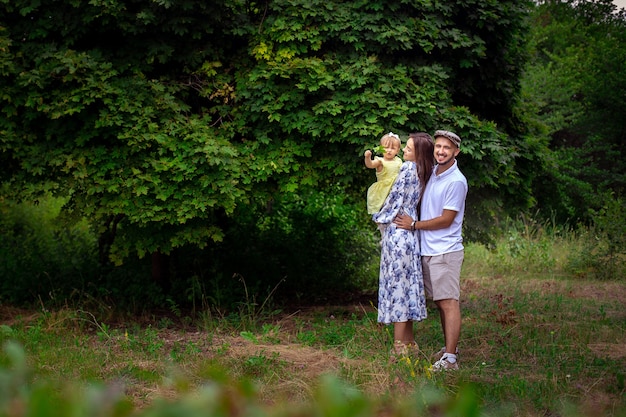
(574,89)
(39,259)
(205,133)
(158,117)
(169,125)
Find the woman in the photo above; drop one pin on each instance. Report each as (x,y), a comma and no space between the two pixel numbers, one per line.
(401,298)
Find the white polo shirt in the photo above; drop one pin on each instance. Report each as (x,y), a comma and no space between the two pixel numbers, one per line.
(445,191)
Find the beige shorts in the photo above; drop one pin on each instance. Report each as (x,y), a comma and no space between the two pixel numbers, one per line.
(442,275)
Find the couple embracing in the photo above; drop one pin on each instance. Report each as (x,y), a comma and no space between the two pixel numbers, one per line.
(422,246)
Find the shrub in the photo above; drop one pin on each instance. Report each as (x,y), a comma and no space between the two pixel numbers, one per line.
(602,251)
(42,256)
(304,247)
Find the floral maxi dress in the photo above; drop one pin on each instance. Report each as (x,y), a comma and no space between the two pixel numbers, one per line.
(401,285)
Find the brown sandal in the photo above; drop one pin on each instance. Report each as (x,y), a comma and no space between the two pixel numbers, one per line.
(398,351)
(400,348)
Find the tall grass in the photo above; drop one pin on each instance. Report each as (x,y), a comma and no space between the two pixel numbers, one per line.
(537,340)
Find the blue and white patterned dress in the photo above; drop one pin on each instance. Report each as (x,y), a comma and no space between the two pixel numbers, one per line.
(401,285)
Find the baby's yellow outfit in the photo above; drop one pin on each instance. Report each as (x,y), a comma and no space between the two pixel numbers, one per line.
(378,192)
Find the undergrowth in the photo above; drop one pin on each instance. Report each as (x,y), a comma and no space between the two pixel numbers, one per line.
(539,338)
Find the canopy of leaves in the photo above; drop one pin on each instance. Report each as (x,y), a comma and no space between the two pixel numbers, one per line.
(159,118)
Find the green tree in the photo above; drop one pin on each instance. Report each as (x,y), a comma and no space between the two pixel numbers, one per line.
(575,85)
(93,108)
(159,119)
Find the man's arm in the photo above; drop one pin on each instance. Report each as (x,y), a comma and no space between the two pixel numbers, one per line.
(404,221)
(441,222)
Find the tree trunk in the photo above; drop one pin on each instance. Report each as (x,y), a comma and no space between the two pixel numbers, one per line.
(161,270)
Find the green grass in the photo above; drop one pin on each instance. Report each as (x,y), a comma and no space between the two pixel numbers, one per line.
(537,340)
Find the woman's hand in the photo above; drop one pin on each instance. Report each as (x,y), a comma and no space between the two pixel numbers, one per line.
(403,221)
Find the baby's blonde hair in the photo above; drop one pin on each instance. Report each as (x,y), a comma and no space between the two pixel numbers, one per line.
(387,138)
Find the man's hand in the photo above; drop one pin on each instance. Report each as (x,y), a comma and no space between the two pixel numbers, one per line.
(403,221)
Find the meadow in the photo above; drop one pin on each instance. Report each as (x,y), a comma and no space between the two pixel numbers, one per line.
(544,334)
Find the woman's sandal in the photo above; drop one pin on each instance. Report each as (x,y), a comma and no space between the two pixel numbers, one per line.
(400,348)
(403,350)
(398,351)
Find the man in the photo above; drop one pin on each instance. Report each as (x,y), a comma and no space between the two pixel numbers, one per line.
(442,211)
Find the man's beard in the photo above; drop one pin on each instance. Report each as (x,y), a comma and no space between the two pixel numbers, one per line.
(446,161)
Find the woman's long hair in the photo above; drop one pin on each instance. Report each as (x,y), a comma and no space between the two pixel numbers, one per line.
(424,157)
